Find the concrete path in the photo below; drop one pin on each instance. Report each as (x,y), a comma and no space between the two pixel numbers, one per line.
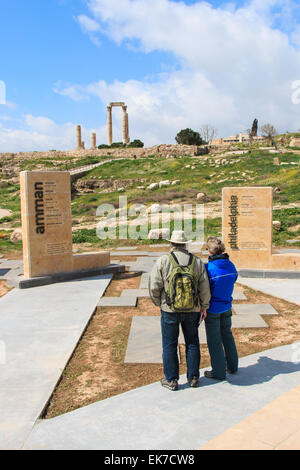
(275,427)
(286,289)
(39,330)
(152,417)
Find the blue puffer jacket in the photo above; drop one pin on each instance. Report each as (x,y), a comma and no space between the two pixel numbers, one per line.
(222,276)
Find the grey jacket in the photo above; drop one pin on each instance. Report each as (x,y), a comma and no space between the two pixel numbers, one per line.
(159,280)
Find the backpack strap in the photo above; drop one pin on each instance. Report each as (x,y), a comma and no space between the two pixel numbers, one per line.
(174,260)
(176,264)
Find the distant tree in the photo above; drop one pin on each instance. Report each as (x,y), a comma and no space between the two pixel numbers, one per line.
(208,132)
(136,144)
(268,131)
(189,137)
(254,128)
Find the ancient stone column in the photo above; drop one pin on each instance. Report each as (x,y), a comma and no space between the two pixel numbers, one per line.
(93,139)
(127,130)
(109,125)
(78,137)
(124,125)
(82,146)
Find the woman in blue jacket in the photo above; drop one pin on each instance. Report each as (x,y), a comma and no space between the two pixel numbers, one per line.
(222,276)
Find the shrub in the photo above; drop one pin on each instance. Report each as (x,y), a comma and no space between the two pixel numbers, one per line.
(189,137)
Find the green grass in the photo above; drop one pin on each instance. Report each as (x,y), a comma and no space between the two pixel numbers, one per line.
(252,169)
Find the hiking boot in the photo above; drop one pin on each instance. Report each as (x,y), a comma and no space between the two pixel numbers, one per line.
(209,375)
(232,372)
(194,382)
(173,385)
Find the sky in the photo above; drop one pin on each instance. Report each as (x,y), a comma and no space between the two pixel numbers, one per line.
(176,64)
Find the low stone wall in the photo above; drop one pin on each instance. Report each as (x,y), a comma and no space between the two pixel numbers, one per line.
(163,150)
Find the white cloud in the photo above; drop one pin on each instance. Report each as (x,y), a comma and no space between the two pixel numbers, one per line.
(235,66)
(90,27)
(87,24)
(41,134)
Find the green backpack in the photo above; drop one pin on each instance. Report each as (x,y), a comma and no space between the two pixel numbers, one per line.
(182,295)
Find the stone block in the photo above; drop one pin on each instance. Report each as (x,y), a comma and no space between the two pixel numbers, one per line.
(248,320)
(135,293)
(118,301)
(254,309)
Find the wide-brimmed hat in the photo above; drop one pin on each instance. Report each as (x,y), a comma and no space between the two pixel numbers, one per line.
(178,237)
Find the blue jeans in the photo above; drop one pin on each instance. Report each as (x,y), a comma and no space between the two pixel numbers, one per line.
(221,344)
(170,332)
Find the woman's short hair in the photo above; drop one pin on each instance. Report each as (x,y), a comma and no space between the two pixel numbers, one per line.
(215,245)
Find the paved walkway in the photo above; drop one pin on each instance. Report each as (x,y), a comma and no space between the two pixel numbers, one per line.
(287,289)
(39,330)
(152,417)
(275,427)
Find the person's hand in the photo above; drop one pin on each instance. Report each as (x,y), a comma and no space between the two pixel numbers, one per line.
(204,313)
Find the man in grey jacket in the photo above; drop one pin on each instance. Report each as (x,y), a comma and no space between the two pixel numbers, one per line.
(170,320)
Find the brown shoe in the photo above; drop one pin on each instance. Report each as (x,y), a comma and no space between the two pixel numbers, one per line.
(194,382)
(173,385)
(209,375)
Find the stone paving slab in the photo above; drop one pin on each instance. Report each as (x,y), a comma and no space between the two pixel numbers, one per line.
(39,329)
(248,320)
(135,293)
(275,426)
(126,248)
(255,309)
(197,414)
(144,283)
(146,260)
(144,342)
(238,295)
(129,253)
(140,267)
(129,301)
(287,289)
(11,264)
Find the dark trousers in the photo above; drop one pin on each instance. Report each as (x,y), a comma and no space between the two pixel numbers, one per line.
(170,331)
(221,344)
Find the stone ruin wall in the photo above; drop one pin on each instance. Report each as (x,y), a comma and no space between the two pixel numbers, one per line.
(162,150)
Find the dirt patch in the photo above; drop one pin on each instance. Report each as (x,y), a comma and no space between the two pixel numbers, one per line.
(97,370)
(3,288)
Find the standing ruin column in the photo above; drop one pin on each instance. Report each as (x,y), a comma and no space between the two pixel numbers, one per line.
(78,138)
(93,139)
(127,130)
(109,125)
(124,125)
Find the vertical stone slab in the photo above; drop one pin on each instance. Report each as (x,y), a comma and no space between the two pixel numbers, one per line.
(46,222)
(247,225)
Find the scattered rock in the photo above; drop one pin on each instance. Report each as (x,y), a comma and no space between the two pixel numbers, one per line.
(153,186)
(163,184)
(277,225)
(16,235)
(201,197)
